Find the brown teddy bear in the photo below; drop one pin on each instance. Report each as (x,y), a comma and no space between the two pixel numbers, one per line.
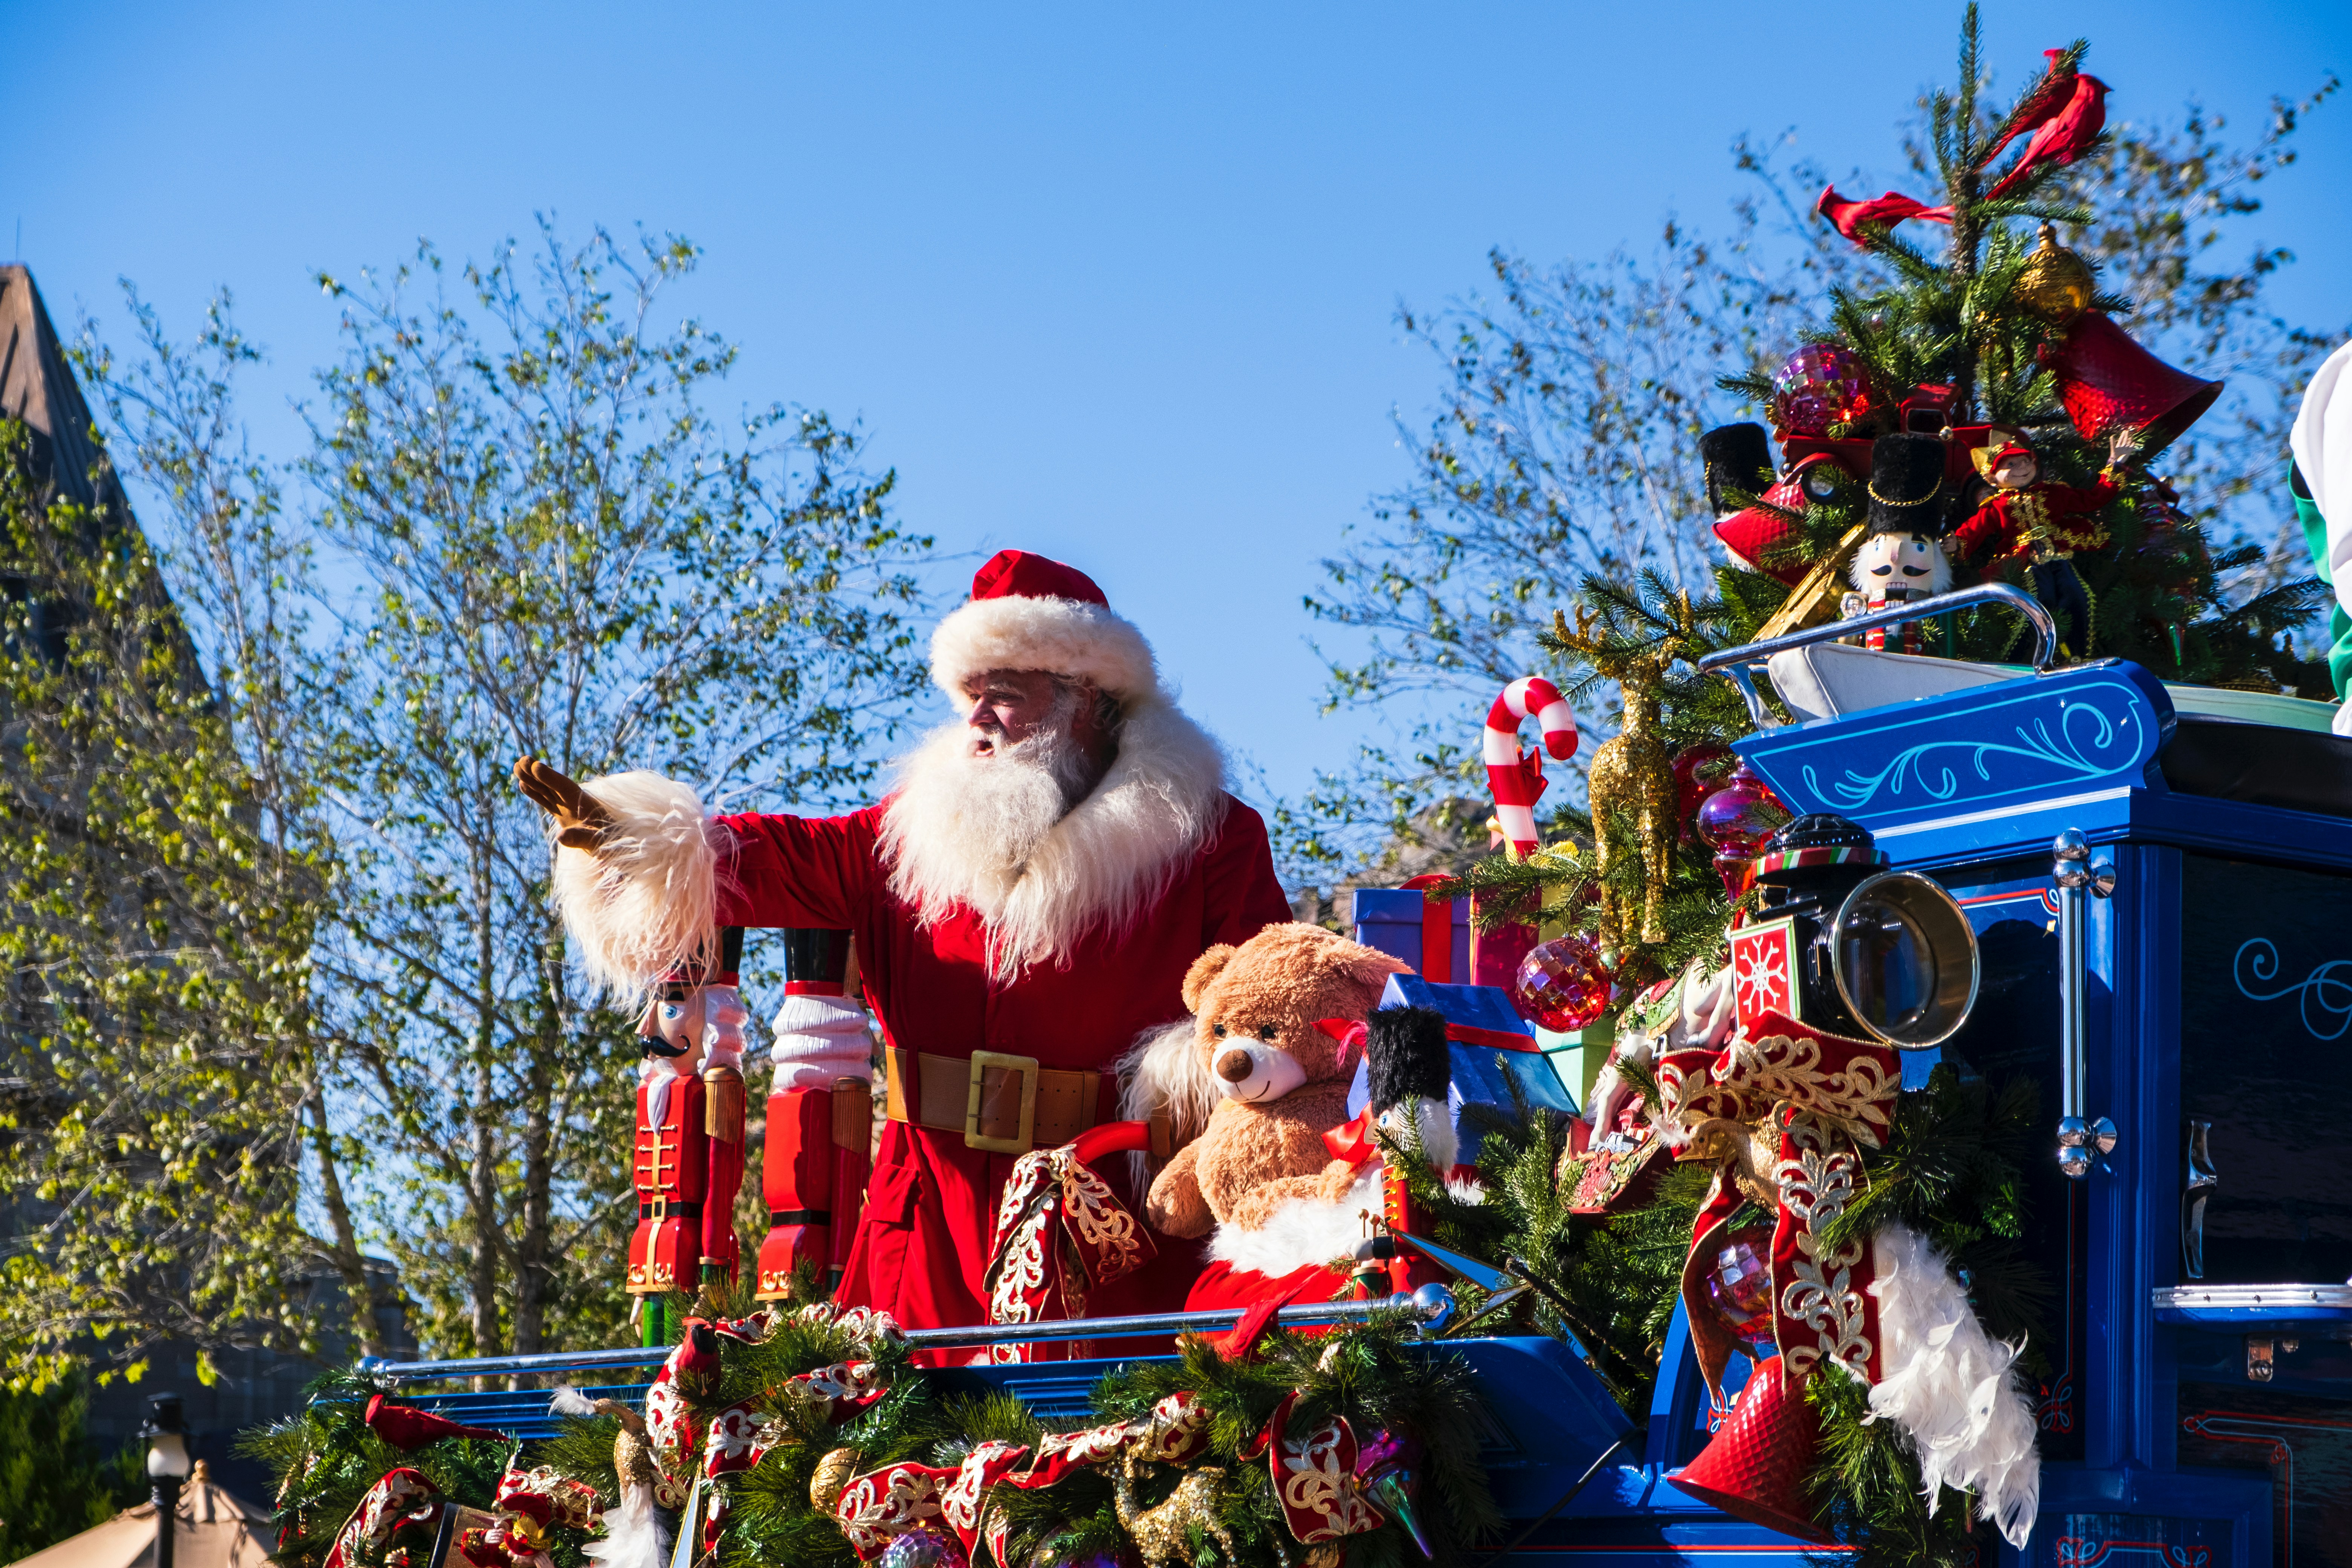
(1257,1173)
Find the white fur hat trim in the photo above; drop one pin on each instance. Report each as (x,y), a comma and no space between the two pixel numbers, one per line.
(1062,636)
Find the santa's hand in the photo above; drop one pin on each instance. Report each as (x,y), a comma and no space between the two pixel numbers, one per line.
(582,821)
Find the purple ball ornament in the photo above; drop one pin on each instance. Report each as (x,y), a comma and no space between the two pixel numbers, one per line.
(923,1549)
(1561,984)
(1739,1285)
(1822,385)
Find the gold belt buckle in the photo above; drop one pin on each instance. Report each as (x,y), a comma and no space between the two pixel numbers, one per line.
(1027,1067)
(660,1205)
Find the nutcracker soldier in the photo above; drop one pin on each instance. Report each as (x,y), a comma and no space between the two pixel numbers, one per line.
(690,1142)
(1898,559)
(814,1170)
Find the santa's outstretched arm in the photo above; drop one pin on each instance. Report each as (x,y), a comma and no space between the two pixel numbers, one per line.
(644,878)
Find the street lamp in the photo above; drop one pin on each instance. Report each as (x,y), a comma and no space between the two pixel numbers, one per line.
(166,1431)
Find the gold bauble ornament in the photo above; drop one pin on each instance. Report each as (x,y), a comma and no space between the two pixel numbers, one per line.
(2055,286)
(833,1473)
(1326,1554)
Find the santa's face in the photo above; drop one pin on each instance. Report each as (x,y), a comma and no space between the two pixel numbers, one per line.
(1907,560)
(1008,706)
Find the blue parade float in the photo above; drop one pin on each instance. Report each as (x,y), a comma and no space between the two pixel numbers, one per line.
(2156,881)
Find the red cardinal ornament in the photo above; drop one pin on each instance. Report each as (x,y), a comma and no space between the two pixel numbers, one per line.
(405,1427)
(2064,135)
(1889,209)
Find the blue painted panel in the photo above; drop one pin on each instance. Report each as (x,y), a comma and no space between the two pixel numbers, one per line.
(2138,1518)
(522,1413)
(2080,731)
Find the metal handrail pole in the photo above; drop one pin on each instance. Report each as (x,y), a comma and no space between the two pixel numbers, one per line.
(1162,1323)
(498,1365)
(1440,1306)
(2045,627)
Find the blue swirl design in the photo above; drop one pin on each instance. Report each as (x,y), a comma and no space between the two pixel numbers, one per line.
(2069,750)
(2327,990)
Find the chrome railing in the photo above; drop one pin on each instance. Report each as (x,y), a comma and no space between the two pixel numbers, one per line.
(1431,1306)
(1736,662)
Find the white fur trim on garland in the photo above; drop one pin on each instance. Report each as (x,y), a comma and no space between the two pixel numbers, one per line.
(1949,1386)
(1061,637)
(642,904)
(1302,1231)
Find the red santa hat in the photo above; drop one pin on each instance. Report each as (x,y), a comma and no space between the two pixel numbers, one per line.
(1027,612)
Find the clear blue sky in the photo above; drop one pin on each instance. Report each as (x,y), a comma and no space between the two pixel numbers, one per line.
(1113,282)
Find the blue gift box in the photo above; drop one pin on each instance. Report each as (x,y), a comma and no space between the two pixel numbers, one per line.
(1390,920)
(1481,1073)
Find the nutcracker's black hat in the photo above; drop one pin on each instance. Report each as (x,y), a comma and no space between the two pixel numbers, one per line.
(1907,493)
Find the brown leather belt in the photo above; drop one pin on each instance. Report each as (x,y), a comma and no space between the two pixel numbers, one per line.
(1004,1104)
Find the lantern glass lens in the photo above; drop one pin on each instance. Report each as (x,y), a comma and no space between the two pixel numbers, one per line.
(1904,960)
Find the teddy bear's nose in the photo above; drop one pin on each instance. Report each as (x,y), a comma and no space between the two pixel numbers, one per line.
(1234,1064)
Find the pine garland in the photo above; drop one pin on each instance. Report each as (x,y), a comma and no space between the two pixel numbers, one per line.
(1374,1374)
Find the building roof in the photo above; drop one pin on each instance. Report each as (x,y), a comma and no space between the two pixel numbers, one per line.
(215,1529)
(38,386)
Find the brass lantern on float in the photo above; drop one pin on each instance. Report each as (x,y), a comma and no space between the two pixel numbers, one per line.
(1877,953)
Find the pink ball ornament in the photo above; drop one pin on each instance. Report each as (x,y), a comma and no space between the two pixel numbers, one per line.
(1561,984)
(924,1549)
(1822,385)
(1739,1285)
(1739,815)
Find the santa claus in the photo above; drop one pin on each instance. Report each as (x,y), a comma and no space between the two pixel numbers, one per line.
(1024,904)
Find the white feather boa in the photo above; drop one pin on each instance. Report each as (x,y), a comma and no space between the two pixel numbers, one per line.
(633,1536)
(1950,1387)
(642,903)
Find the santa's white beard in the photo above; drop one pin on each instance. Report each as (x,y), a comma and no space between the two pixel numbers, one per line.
(962,828)
(1033,844)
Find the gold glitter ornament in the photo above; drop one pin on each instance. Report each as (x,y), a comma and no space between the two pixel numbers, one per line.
(833,1473)
(1326,1554)
(1162,1533)
(2055,286)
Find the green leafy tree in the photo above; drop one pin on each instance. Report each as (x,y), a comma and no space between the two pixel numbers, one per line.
(156,920)
(52,1485)
(561,551)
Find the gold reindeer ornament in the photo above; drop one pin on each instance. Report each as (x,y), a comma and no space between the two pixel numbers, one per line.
(1631,776)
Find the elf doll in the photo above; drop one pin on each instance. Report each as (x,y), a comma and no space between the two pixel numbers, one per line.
(1898,559)
(2026,518)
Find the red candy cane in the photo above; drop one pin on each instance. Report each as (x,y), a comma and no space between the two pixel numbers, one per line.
(1516,776)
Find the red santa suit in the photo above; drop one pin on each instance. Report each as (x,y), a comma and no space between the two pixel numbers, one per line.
(1083,950)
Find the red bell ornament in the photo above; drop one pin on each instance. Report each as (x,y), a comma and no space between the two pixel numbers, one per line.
(1754,1468)
(2109,382)
(1561,985)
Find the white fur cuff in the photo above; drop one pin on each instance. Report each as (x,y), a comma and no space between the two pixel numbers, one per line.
(819,1039)
(645,902)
